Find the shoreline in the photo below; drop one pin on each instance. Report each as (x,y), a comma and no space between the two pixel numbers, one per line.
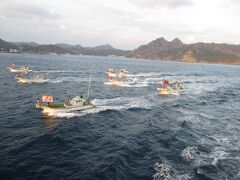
(112,56)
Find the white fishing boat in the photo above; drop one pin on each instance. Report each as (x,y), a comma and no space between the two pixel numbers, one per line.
(21,69)
(168,88)
(50,108)
(119,78)
(78,103)
(111,73)
(33,79)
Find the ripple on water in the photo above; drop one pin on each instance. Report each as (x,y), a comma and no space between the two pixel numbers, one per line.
(129,130)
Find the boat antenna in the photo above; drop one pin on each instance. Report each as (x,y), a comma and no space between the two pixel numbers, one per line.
(68,95)
(89,83)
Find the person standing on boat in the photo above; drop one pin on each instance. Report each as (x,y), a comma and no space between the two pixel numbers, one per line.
(38,102)
(18,76)
(165,83)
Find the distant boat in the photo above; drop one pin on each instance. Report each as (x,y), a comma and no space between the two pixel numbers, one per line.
(115,73)
(33,79)
(119,77)
(111,73)
(168,88)
(14,69)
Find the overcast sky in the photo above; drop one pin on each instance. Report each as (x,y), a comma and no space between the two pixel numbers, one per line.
(125,24)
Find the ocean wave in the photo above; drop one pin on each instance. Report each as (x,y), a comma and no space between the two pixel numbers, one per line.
(123,84)
(222,154)
(67,79)
(222,158)
(149,74)
(224,141)
(190,153)
(58,71)
(165,171)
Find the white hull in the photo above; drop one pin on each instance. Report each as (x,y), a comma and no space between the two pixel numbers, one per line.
(29,81)
(121,83)
(18,70)
(49,111)
(165,91)
(121,74)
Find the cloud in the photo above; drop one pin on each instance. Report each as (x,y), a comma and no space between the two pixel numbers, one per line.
(235,1)
(161,3)
(16,10)
(124,24)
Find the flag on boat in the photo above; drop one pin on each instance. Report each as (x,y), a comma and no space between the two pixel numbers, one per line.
(47,99)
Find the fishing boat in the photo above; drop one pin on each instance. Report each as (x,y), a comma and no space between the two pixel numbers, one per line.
(50,108)
(33,79)
(168,88)
(111,73)
(78,103)
(123,73)
(14,69)
(121,78)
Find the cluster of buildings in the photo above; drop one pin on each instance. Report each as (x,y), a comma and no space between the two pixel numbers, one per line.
(10,50)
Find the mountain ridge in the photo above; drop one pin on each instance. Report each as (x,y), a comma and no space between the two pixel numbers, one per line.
(60,48)
(161,49)
(158,49)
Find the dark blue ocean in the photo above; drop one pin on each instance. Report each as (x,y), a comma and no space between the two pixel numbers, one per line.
(132,133)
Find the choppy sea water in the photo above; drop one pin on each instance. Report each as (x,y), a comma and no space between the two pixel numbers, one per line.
(132,133)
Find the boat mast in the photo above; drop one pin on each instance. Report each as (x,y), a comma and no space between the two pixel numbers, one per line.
(89,83)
